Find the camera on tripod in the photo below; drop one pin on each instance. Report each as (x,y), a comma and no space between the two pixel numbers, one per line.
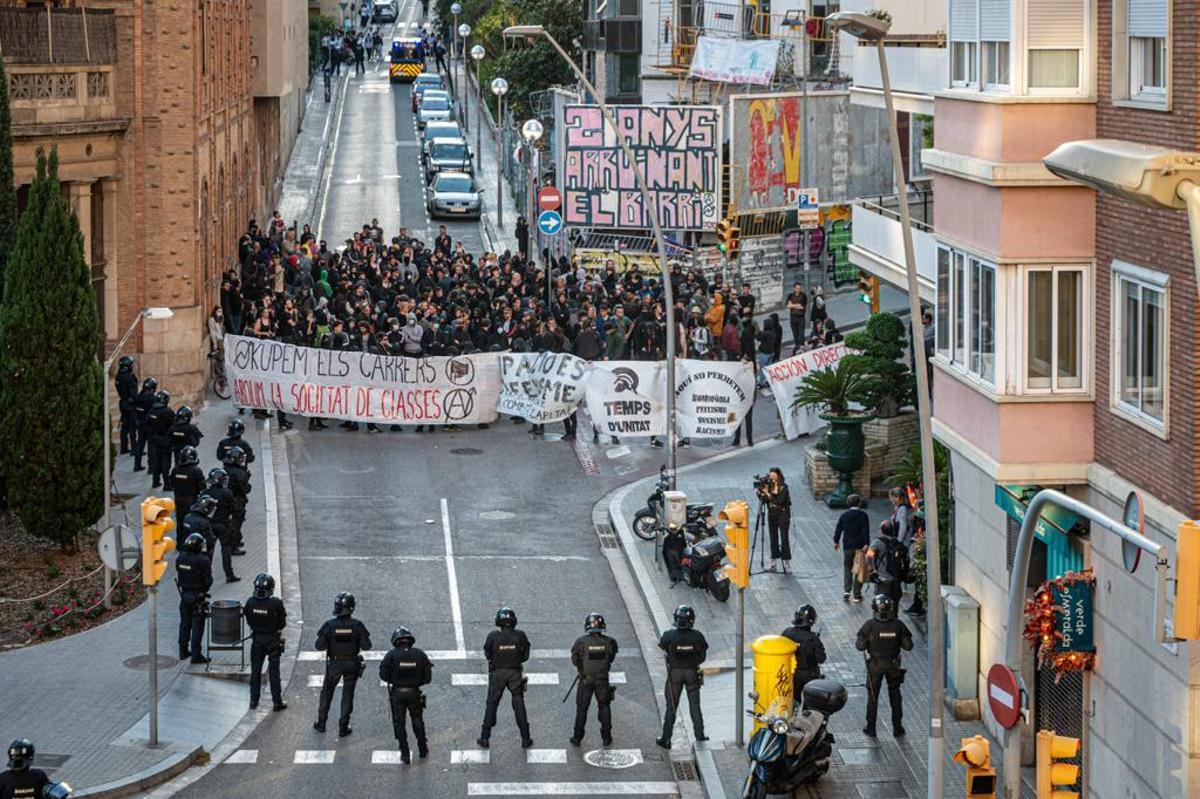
(761,481)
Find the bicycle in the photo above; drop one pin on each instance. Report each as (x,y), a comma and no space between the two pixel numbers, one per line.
(220,383)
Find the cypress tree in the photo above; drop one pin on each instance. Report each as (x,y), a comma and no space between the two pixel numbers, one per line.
(51,446)
(8,194)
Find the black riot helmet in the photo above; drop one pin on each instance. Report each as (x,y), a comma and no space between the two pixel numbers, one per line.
(402,637)
(149,384)
(20,754)
(264,585)
(506,617)
(235,456)
(125,364)
(594,623)
(205,506)
(884,607)
(188,456)
(217,477)
(163,397)
(184,414)
(193,543)
(236,428)
(343,604)
(806,616)
(685,617)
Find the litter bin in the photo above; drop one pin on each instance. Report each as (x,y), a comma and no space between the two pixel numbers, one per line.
(226,622)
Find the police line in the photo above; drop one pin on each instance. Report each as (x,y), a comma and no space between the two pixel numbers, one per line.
(624,398)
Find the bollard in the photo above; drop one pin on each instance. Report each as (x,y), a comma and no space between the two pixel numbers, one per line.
(774,665)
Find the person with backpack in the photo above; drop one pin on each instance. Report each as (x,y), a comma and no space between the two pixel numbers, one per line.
(852,535)
(890,562)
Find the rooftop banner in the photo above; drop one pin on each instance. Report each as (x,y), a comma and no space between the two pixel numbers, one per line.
(744,61)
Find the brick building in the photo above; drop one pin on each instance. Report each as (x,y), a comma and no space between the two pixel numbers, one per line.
(173,124)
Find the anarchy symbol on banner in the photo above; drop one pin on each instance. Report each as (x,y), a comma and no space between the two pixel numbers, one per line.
(458,404)
(460,371)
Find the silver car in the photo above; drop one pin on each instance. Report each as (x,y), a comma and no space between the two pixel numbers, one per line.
(435,106)
(453,194)
(447,155)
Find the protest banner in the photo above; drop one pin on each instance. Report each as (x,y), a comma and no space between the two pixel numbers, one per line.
(541,386)
(785,377)
(628,398)
(712,397)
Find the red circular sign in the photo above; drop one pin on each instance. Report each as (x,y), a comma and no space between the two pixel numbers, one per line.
(549,199)
(1004,697)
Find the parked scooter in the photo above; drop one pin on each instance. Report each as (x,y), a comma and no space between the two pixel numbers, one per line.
(787,753)
(700,564)
(699,515)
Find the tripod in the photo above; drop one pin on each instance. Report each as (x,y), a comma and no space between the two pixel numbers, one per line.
(759,523)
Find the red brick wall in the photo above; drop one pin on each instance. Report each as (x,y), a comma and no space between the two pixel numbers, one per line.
(1158,240)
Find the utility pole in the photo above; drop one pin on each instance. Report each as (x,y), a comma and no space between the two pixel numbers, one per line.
(804,145)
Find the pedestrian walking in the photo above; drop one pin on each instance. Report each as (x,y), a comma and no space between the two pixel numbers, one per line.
(193,578)
(267,617)
(778,499)
(405,669)
(882,638)
(889,562)
(852,534)
(127,391)
(342,639)
(810,651)
(592,655)
(506,649)
(685,648)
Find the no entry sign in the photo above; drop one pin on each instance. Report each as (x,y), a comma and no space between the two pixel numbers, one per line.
(549,199)
(1004,697)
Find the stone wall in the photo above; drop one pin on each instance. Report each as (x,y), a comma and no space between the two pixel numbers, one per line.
(822,478)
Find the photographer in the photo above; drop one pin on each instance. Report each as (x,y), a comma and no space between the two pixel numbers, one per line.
(773,492)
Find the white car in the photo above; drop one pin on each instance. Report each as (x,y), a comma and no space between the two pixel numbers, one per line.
(436,106)
(453,194)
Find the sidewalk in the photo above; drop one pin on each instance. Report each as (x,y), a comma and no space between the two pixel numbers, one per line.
(300,200)
(83,699)
(861,766)
(502,236)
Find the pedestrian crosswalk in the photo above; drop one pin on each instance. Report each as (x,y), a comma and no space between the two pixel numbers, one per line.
(325,757)
(475,679)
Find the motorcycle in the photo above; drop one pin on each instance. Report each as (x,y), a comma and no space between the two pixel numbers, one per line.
(699,515)
(699,564)
(789,752)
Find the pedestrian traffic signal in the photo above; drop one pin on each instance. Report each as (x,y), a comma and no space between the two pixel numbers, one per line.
(1050,775)
(156,523)
(736,515)
(1187,581)
(976,754)
(868,290)
(728,237)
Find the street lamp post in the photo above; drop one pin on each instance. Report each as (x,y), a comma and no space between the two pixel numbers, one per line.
(145,313)
(531,131)
(477,53)
(499,88)
(536,32)
(872,29)
(464,31)
(455,9)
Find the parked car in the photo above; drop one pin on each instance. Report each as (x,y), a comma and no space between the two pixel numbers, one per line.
(424,81)
(447,155)
(435,131)
(453,194)
(384,12)
(435,106)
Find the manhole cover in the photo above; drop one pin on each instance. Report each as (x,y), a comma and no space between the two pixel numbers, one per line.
(881,790)
(861,757)
(142,662)
(613,758)
(466,451)
(497,515)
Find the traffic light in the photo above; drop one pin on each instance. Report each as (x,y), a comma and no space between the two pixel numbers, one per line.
(1051,747)
(868,290)
(736,516)
(976,755)
(1187,581)
(728,237)
(156,523)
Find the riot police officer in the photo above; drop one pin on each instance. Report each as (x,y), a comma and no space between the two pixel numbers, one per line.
(127,390)
(21,780)
(193,577)
(506,649)
(405,668)
(810,652)
(183,432)
(882,638)
(158,428)
(217,487)
(234,439)
(198,519)
(187,478)
(686,649)
(592,655)
(141,413)
(266,617)
(342,639)
(239,484)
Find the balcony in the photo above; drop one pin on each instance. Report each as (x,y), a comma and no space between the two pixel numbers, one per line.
(877,246)
(917,67)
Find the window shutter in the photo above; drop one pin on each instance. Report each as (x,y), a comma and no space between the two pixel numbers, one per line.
(964,20)
(1055,24)
(995,20)
(1148,18)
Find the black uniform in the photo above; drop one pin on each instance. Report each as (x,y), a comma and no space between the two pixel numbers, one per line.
(882,641)
(239,484)
(222,525)
(592,655)
(810,654)
(195,522)
(194,578)
(506,649)
(266,619)
(225,444)
(405,669)
(145,400)
(158,428)
(341,638)
(127,390)
(27,784)
(184,434)
(187,482)
(686,650)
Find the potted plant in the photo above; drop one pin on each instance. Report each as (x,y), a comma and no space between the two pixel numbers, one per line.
(835,390)
(888,383)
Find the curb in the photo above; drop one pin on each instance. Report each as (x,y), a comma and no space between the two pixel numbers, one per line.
(172,766)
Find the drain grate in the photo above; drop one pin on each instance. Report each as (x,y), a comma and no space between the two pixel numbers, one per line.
(685,770)
(608,540)
(466,451)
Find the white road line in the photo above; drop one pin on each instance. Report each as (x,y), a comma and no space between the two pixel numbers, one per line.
(535,678)
(324,756)
(313,655)
(387,757)
(317,680)
(546,756)
(452,576)
(247,756)
(470,756)
(431,558)
(572,789)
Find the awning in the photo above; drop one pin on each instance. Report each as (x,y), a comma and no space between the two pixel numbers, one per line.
(1014,500)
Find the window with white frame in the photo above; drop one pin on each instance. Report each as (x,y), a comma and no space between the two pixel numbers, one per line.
(1054,329)
(1140,55)
(1055,38)
(995,64)
(965,68)
(966,313)
(1147,67)
(1139,347)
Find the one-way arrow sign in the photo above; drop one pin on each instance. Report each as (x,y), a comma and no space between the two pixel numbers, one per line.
(549,222)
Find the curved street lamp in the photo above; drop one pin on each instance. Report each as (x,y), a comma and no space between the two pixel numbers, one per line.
(464,33)
(477,53)
(499,88)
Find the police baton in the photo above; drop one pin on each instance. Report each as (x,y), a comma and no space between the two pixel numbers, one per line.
(574,682)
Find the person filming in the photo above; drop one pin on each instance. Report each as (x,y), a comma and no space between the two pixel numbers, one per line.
(773,492)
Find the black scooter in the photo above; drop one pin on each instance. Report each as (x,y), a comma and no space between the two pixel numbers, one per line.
(699,515)
(787,753)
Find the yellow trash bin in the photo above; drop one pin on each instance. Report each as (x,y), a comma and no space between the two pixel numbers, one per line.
(774,664)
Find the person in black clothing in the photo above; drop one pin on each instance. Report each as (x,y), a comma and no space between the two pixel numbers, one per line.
(141,411)
(21,779)
(810,652)
(747,422)
(127,391)
(198,519)
(187,480)
(778,499)
(239,484)
(405,668)
(266,617)
(234,438)
(686,649)
(853,534)
(522,233)
(183,432)
(882,639)
(889,561)
(342,639)
(592,655)
(797,305)
(158,427)
(506,649)
(193,577)
(217,487)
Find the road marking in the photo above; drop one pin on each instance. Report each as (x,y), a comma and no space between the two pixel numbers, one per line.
(386,757)
(452,575)
(536,678)
(247,756)
(431,558)
(312,655)
(470,756)
(318,680)
(572,789)
(546,756)
(324,756)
